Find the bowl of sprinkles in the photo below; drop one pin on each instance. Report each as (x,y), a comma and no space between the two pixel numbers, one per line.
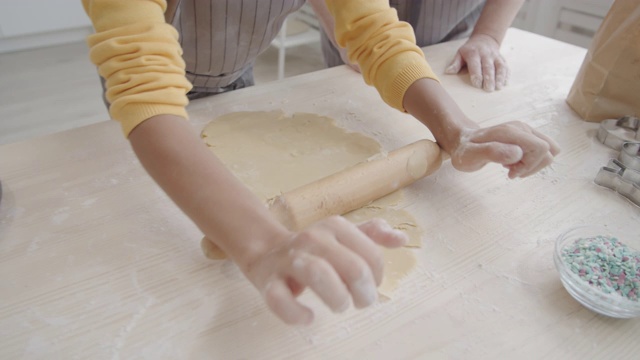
(601,270)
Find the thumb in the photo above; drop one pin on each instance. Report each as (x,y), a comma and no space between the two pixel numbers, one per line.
(383,234)
(455,66)
(501,153)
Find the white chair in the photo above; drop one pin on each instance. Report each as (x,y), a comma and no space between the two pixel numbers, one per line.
(300,28)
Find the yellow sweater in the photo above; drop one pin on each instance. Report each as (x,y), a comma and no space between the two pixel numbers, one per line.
(139,56)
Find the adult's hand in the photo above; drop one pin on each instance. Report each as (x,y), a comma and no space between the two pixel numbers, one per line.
(488,70)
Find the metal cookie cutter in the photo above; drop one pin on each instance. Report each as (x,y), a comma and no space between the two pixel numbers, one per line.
(630,155)
(621,178)
(615,132)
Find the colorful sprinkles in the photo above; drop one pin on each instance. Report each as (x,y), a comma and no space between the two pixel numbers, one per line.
(605,263)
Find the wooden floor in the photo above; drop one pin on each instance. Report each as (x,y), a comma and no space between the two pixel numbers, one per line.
(57,88)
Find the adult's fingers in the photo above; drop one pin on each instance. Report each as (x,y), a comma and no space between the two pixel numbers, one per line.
(488,74)
(474,65)
(455,66)
(279,299)
(383,234)
(502,73)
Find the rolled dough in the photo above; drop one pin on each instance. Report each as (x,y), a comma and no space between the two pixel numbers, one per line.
(273,153)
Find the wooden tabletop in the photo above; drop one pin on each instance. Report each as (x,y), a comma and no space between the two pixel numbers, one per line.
(97,263)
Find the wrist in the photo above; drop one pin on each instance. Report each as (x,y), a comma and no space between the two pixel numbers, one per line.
(493,36)
(428,102)
(246,250)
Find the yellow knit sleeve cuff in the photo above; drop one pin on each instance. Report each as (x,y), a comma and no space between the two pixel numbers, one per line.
(394,94)
(133,115)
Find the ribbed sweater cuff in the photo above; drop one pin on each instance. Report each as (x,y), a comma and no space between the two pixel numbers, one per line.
(133,115)
(404,79)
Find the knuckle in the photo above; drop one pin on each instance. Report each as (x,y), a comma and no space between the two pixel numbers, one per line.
(467,51)
(317,266)
(378,223)
(541,150)
(271,297)
(305,239)
(548,160)
(335,220)
(546,147)
(355,271)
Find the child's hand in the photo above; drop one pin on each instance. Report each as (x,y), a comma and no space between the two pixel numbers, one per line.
(338,260)
(488,70)
(520,148)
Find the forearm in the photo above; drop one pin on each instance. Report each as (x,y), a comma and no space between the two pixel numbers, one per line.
(222,207)
(496,17)
(430,103)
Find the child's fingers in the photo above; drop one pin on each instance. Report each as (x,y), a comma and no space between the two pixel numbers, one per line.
(473,156)
(478,155)
(354,272)
(353,256)
(278,297)
(536,165)
(516,145)
(383,234)
(516,133)
(546,160)
(357,260)
(322,278)
(554,147)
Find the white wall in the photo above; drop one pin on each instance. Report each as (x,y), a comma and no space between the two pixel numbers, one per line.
(572,21)
(28,24)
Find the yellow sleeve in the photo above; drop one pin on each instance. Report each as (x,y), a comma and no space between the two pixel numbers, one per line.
(139,56)
(383,46)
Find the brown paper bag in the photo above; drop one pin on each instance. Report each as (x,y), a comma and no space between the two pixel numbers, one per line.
(608,83)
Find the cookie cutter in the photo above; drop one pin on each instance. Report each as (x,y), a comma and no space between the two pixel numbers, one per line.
(630,155)
(615,132)
(623,174)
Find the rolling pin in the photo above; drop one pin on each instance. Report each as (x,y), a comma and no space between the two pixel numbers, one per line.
(349,189)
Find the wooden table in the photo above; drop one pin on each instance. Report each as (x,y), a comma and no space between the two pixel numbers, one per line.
(97,263)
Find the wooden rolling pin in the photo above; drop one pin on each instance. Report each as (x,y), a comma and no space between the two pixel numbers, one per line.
(349,189)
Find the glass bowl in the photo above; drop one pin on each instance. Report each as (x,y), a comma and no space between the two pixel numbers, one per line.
(591,296)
